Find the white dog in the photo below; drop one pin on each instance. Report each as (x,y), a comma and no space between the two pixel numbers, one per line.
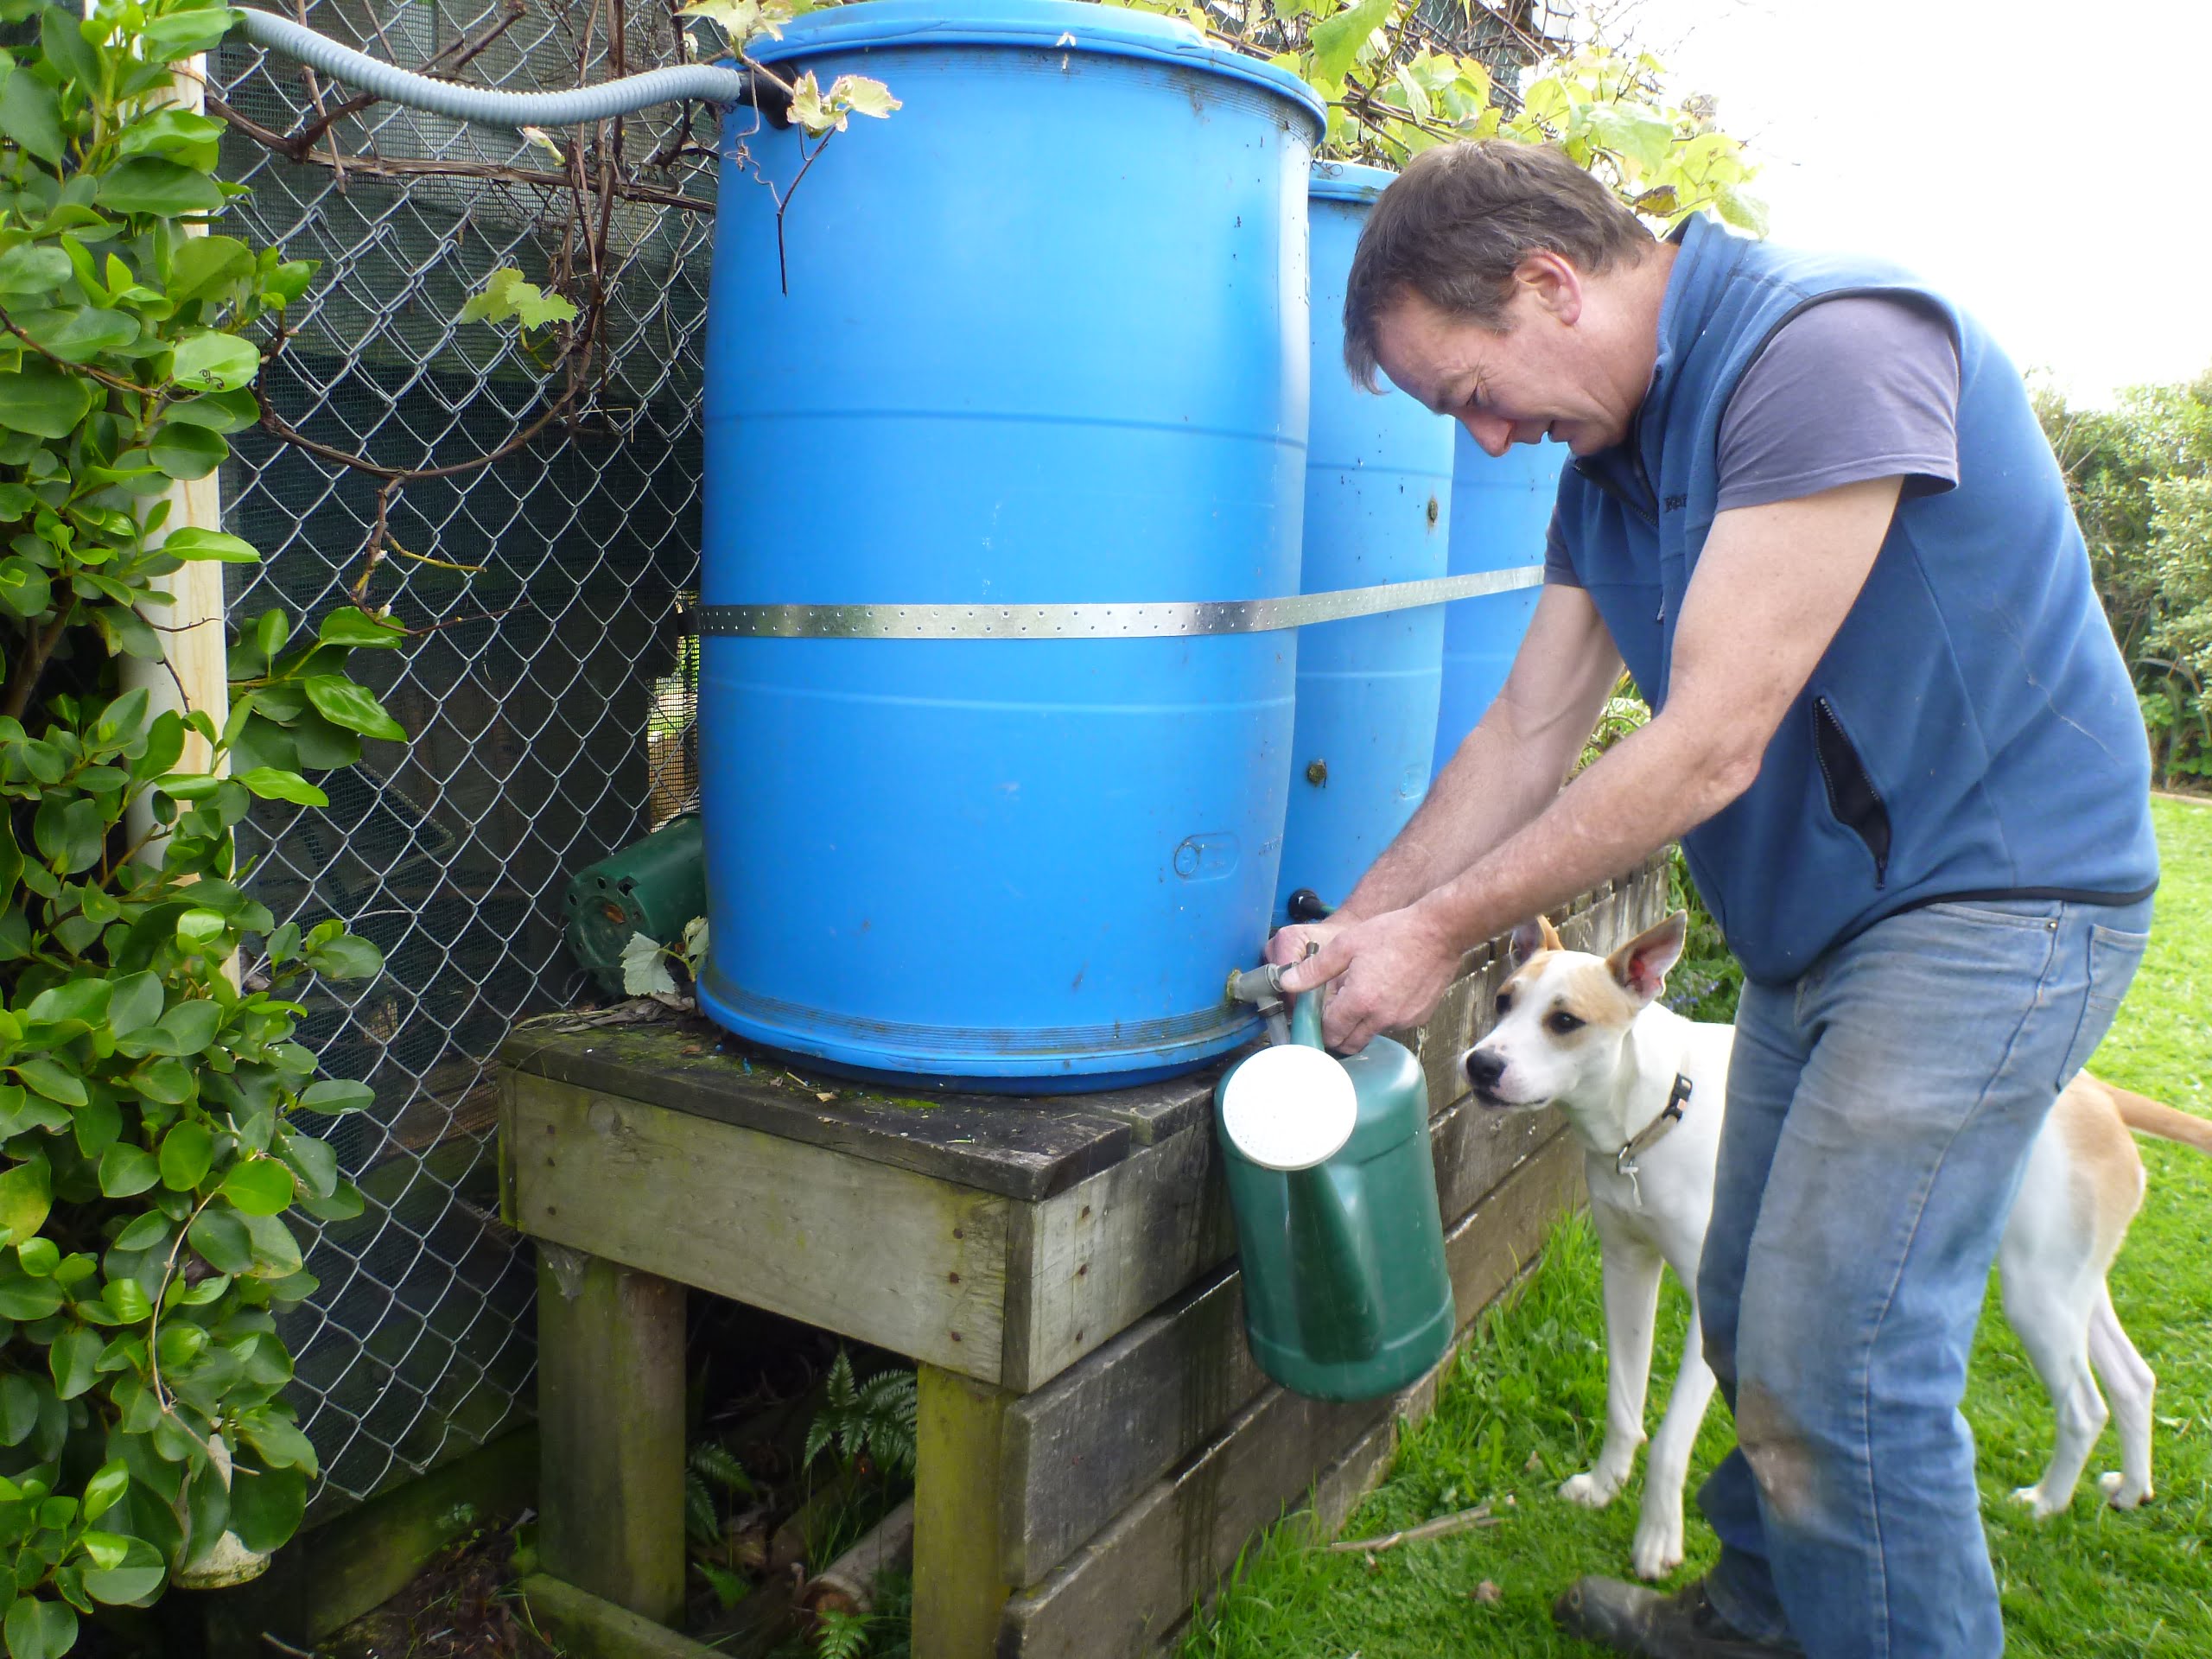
(1642,1090)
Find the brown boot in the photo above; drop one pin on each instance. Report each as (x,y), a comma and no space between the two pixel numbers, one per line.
(1629,1618)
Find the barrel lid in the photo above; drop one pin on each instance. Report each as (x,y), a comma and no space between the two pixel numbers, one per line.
(1348,181)
(1067,25)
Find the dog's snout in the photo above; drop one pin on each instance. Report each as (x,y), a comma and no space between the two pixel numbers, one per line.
(1484,1070)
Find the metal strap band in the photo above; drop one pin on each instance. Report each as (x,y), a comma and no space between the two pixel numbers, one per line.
(1133,620)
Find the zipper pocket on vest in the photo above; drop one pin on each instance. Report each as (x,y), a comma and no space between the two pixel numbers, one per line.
(1851,795)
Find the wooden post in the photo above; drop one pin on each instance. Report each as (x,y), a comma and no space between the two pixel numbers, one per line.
(194,672)
(610,1415)
(960,1592)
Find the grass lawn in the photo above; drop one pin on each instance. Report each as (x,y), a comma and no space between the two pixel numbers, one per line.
(1524,1405)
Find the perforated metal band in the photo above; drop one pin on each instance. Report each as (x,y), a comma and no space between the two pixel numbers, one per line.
(1133,620)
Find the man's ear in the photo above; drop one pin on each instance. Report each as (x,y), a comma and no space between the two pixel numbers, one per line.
(1640,966)
(1553,282)
(1531,938)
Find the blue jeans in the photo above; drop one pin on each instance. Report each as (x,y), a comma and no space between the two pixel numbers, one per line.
(1880,1110)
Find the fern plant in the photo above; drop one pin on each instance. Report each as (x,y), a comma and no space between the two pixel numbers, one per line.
(710,1468)
(872,1419)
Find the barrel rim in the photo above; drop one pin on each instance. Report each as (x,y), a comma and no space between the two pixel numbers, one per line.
(1348,181)
(1068,25)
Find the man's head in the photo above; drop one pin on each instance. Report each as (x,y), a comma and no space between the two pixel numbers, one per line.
(1502,285)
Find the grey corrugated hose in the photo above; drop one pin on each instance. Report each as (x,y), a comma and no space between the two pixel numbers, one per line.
(611,98)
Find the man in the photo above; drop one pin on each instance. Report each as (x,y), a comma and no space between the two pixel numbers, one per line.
(1811,508)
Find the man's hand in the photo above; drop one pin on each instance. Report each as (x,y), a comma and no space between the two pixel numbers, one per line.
(1387,973)
(1289,945)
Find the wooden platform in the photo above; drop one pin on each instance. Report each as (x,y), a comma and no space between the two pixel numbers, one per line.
(1096,1444)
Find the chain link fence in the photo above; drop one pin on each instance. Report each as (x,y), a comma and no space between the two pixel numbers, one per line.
(550,694)
(548,723)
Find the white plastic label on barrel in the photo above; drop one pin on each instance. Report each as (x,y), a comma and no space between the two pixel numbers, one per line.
(1290,1108)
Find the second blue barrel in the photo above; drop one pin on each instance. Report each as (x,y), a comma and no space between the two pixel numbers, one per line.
(1501,508)
(1037,340)
(1378,508)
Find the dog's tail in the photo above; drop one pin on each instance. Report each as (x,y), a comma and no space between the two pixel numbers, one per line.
(2146,1116)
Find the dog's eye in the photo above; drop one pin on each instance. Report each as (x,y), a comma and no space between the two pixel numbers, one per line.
(1562,1022)
(1504,1002)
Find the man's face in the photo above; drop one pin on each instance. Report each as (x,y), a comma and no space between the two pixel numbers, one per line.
(1541,378)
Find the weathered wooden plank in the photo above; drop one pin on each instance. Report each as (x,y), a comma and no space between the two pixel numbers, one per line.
(868,1249)
(959,1592)
(1129,1588)
(586,1626)
(1022,1146)
(610,1415)
(1080,1449)
(1506,1231)
(1087,1263)
(1476,1147)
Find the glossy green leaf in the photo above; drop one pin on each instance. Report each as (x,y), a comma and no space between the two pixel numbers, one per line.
(18,1409)
(77,334)
(127,1299)
(150,184)
(193,543)
(185,1150)
(40,398)
(31,114)
(25,1196)
(271,785)
(73,1356)
(33,267)
(53,1080)
(135,1000)
(24,589)
(266,1504)
(336,1094)
(36,1628)
(106,1489)
(219,1234)
(214,362)
(186,451)
(126,1170)
(354,706)
(350,626)
(261,1187)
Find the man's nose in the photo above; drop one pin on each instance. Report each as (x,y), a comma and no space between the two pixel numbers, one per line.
(1492,434)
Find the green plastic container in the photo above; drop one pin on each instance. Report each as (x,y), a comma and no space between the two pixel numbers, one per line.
(1346,1294)
(656,886)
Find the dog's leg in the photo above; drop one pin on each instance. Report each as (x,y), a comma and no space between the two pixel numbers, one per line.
(1658,1547)
(1632,1305)
(2051,1318)
(2130,1383)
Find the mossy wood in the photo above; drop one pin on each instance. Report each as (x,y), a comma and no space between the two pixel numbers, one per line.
(610,1414)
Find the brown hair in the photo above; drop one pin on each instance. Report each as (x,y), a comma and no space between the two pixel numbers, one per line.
(1458,223)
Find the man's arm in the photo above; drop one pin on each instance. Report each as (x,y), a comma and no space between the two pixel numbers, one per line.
(1512,763)
(1773,585)
(1503,772)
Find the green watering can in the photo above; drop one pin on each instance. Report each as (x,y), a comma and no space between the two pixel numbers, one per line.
(1346,1295)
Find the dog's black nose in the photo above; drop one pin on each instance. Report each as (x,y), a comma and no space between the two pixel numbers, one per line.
(1484,1070)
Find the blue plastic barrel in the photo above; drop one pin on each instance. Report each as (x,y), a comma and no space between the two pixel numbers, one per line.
(1501,508)
(1039,338)
(1378,494)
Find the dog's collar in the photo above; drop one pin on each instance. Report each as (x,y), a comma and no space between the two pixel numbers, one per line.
(1625,1161)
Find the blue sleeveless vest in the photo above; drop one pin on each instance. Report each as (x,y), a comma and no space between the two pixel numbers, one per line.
(1972,730)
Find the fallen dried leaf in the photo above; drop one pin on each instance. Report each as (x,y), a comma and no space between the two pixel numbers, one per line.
(1487,1591)
(1536,1462)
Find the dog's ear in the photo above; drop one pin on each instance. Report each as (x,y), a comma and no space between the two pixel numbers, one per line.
(1640,966)
(1531,937)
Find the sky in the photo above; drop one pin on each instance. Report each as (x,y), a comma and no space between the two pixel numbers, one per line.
(2041,164)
